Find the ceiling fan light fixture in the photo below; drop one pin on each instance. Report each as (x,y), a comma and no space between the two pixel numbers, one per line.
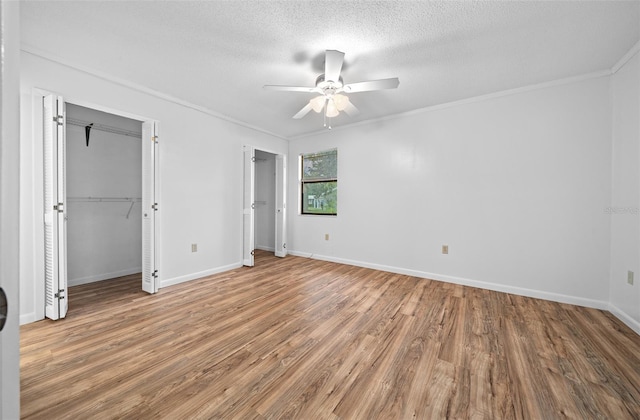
(341,101)
(317,103)
(332,110)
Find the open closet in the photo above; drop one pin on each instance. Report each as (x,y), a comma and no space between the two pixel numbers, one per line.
(265,206)
(100,198)
(104,194)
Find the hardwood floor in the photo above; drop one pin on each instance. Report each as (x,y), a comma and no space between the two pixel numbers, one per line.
(306,339)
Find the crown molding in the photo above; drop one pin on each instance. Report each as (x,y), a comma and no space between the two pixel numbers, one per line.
(143,89)
(474,99)
(140,88)
(574,79)
(628,56)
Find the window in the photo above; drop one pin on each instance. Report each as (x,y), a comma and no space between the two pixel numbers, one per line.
(319,182)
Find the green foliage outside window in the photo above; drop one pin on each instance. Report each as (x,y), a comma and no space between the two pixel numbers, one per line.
(320,183)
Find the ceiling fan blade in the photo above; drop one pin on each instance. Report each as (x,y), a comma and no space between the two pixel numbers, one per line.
(292,88)
(333,65)
(371,85)
(351,109)
(304,111)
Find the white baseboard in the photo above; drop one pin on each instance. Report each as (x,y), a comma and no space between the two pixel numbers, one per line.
(622,316)
(28,318)
(304,254)
(538,294)
(104,276)
(266,248)
(198,275)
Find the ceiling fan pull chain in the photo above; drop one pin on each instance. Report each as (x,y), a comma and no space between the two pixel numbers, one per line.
(324,114)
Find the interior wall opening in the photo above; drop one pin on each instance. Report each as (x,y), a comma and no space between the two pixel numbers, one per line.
(104,194)
(265,205)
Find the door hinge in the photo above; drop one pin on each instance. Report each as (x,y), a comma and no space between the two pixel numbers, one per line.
(59,207)
(154,139)
(59,294)
(155,274)
(284,245)
(59,119)
(154,206)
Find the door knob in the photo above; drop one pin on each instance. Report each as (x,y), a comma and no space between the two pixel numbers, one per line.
(3,308)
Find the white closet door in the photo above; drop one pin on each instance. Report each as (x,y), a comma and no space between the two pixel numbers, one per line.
(55,238)
(149,207)
(248,216)
(281,206)
(63,301)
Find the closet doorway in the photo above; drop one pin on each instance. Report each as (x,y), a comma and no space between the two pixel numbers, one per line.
(265,182)
(104,196)
(100,199)
(264,217)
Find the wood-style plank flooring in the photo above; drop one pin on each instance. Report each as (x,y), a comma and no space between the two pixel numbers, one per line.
(306,339)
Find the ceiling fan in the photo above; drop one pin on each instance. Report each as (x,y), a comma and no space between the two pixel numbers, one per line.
(332,91)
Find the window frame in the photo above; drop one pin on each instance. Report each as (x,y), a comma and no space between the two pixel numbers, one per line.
(311,181)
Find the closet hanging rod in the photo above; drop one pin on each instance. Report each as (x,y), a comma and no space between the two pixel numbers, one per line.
(103,127)
(105,199)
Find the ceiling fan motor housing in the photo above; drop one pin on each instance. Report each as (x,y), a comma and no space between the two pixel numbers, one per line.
(328,86)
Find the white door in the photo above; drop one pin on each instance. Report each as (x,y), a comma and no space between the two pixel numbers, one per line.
(248,216)
(55,232)
(281,206)
(149,206)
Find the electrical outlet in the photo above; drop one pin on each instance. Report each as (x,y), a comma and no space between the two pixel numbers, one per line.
(630,277)
(445,249)
(194,247)
(326,236)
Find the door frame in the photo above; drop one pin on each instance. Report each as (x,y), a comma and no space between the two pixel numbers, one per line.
(249,190)
(248,205)
(38,193)
(9,207)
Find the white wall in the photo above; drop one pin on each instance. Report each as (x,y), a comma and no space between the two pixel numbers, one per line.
(200,175)
(625,203)
(104,238)
(265,194)
(515,185)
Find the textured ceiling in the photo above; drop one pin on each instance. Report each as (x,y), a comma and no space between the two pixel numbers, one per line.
(219,54)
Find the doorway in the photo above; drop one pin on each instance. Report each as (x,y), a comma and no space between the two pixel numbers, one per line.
(264,215)
(265,208)
(98,167)
(104,195)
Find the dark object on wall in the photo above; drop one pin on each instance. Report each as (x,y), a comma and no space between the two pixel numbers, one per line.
(3,308)
(87,131)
